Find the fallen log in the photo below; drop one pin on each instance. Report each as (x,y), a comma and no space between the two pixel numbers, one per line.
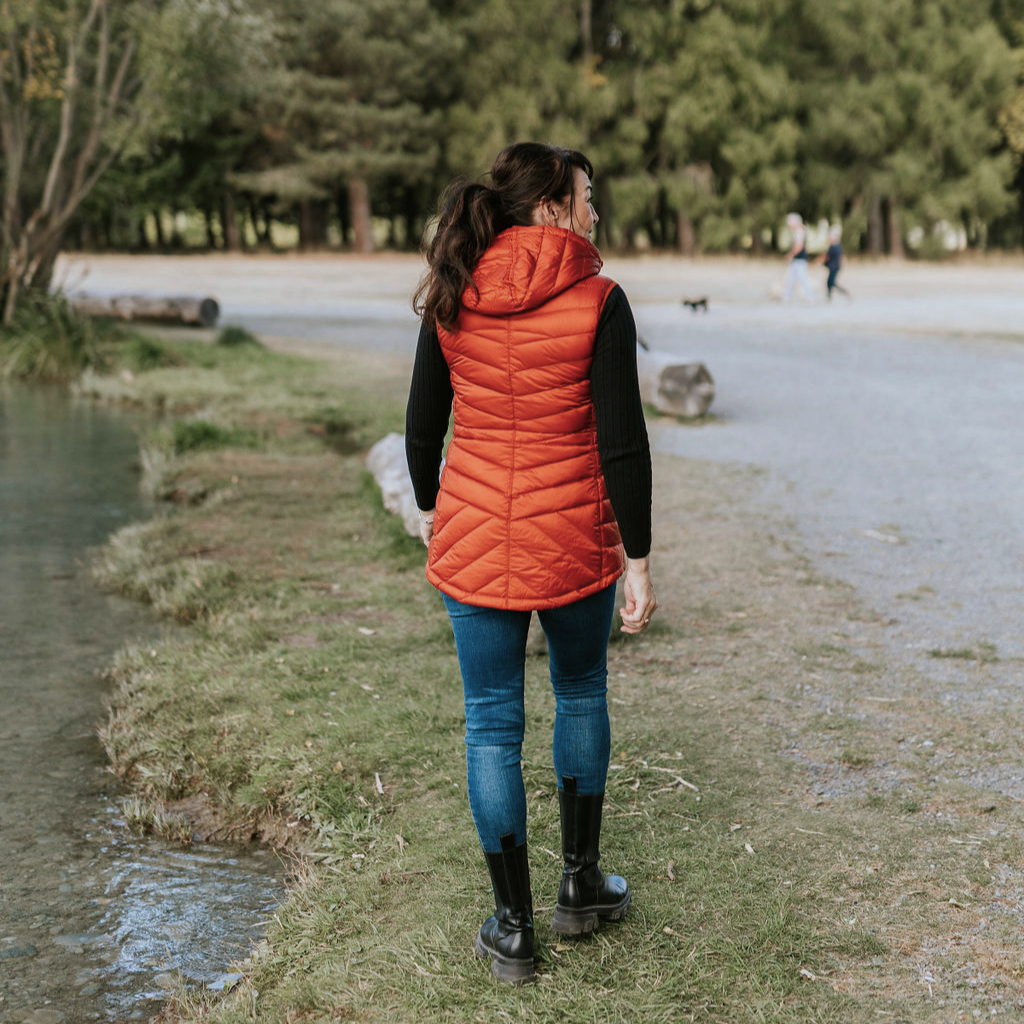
(179,309)
(673,386)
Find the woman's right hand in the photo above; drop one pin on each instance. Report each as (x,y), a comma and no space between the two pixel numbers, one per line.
(426,525)
(638,589)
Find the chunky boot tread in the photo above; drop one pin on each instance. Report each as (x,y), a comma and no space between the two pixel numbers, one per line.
(581,920)
(514,970)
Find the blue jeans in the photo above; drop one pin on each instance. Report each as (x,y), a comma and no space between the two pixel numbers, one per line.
(491,645)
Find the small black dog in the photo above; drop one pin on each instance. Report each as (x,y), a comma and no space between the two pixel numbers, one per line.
(695,304)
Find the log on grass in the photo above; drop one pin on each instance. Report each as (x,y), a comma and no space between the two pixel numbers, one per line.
(178,309)
(673,385)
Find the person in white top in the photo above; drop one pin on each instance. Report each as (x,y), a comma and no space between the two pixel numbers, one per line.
(796,272)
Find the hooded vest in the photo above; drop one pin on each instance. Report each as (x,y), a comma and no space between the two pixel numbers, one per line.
(523,518)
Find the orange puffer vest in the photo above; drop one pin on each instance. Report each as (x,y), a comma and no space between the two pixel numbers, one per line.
(523,517)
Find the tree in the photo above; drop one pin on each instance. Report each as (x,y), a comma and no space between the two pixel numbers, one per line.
(352,105)
(902,103)
(64,86)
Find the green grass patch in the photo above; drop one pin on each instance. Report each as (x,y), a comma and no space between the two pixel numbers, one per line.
(316,692)
(201,435)
(984,653)
(233,335)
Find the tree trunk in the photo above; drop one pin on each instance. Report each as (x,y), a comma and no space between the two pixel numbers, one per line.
(359,210)
(259,213)
(161,242)
(411,212)
(211,236)
(876,233)
(312,224)
(344,220)
(686,238)
(587,30)
(229,223)
(895,229)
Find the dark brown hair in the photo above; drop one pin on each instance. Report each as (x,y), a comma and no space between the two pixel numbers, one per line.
(472,214)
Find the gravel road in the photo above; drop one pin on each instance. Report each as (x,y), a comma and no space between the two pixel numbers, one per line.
(888,428)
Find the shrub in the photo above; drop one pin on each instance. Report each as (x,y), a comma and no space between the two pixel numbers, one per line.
(48,340)
(201,435)
(233,336)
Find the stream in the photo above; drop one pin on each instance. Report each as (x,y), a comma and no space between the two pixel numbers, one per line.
(96,923)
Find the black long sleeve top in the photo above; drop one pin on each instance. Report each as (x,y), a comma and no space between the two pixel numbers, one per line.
(622,442)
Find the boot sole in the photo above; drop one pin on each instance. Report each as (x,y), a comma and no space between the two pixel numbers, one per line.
(583,920)
(513,970)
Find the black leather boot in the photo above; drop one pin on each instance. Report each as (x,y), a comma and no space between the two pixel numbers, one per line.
(507,937)
(586,895)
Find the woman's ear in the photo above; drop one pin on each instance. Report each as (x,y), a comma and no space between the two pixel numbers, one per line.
(545,213)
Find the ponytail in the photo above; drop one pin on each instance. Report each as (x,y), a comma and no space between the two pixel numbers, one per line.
(471,215)
(469,219)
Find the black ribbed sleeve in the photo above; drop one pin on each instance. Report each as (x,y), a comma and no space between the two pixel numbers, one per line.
(622,442)
(426,416)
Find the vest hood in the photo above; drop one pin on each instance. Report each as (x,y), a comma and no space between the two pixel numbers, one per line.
(527,266)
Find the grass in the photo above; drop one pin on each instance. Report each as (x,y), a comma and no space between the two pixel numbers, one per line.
(48,341)
(982,652)
(794,852)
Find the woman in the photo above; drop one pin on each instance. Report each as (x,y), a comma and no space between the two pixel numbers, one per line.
(544,500)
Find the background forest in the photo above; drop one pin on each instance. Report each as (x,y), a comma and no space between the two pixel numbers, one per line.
(236,124)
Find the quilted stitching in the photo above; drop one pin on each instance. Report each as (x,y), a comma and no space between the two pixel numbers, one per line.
(523,517)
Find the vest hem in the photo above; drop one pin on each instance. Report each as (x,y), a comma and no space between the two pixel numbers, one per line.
(534,604)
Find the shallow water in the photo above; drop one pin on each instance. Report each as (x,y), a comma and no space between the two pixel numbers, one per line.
(93,920)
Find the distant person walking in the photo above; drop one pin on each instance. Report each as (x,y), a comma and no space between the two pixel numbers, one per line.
(543,503)
(796,272)
(832,257)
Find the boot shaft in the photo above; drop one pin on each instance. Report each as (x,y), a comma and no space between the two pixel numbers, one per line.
(580,817)
(509,869)
(585,895)
(507,937)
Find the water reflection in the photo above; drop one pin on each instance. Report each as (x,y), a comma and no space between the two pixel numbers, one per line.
(194,913)
(91,918)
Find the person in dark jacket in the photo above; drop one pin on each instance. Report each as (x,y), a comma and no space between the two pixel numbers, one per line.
(832,257)
(544,501)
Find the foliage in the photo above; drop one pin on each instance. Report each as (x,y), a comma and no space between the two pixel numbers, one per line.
(65,99)
(201,435)
(48,341)
(233,335)
(707,121)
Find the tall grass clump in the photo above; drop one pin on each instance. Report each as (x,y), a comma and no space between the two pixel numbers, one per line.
(49,341)
(202,435)
(233,336)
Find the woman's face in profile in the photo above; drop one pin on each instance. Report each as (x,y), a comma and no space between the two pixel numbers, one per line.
(580,215)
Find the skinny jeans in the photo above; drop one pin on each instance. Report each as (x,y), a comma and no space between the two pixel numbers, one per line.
(491,646)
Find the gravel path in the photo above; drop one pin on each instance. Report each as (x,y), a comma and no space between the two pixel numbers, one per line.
(888,428)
